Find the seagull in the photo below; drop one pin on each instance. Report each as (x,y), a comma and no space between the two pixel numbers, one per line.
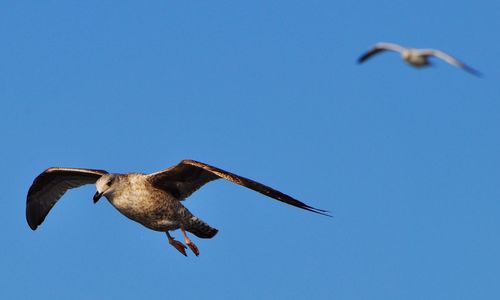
(153,200)
(416,57)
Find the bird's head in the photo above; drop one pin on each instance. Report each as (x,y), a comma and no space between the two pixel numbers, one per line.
(105,186)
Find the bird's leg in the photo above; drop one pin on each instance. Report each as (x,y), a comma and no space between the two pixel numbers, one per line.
(177,245)
(190,243)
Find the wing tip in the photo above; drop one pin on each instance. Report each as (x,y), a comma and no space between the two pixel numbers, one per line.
(33,222)
(318,211)
(362,58)
(473,71)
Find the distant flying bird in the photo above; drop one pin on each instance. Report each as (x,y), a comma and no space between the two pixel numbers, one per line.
(154,200)
(416,57)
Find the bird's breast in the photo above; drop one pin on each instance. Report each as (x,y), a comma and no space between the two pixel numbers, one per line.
(417,60)
(145,204)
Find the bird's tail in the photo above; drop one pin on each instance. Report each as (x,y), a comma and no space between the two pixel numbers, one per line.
(200,228)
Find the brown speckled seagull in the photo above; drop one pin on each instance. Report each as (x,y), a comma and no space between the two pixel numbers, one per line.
(150,199)
(416,57)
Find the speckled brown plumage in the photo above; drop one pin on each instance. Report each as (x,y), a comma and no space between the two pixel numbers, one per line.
(153,200)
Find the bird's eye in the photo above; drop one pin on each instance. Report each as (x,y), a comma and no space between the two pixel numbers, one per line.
(110,182)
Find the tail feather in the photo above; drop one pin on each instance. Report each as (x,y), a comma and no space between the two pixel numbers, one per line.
(200,228)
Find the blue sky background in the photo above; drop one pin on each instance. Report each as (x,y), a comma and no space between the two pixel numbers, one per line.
(406,160)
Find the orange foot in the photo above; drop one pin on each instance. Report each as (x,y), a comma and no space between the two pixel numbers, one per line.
(193,247)
(177,245)
(190,243)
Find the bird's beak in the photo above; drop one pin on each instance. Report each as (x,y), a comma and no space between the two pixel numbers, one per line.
(97,196)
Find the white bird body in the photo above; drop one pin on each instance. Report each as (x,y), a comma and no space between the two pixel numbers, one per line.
(416,57)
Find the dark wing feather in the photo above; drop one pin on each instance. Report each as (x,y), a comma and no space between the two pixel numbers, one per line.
(50,185)
(182,179)
(369,54)
(186,177)
(378,48)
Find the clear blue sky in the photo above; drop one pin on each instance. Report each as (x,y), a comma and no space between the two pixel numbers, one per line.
(406,160)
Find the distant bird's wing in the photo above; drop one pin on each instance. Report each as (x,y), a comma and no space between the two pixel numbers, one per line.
(186,177)
(378,48)
(50,185)
(449,59)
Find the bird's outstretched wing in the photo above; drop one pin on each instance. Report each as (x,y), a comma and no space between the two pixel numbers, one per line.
(188,176)
(378,48)
(50,185)
(450,59)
